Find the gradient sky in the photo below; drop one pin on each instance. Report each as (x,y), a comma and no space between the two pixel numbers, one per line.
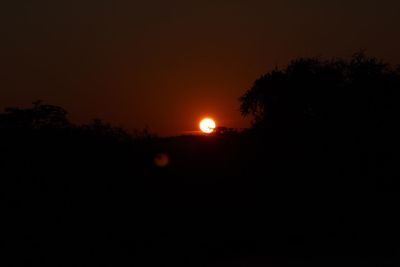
(165,64)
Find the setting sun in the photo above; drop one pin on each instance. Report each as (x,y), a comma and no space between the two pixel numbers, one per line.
(207,125)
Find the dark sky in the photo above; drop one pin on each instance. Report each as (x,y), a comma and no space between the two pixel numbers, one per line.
(166,63)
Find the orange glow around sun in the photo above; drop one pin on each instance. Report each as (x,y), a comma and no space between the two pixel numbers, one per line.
(207,125)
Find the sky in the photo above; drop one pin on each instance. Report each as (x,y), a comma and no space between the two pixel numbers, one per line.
(166,64)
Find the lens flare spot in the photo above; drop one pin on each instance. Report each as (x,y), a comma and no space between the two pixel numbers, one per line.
(161,160)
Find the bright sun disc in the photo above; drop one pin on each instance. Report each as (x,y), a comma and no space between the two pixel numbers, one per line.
(207,126)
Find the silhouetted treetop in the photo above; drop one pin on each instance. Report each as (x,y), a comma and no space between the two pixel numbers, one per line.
(39,116)
(315,90)
(43,119)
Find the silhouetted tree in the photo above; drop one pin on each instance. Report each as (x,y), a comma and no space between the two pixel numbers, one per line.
(338,115)
(103,130)
(332,99)
(224,131)
(314,90)
(37,117)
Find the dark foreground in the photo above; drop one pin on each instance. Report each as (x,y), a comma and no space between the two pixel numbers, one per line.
(69,199)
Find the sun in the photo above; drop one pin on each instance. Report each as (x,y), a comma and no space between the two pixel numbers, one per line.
(207,125)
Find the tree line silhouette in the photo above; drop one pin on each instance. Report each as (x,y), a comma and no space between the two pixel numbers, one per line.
(313,181)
